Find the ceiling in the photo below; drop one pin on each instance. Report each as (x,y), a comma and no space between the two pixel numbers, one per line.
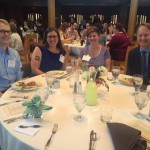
(76,2)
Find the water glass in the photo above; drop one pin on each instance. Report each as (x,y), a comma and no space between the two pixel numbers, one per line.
(115,72)
(137,80)
(79,103)
(106,114)
(141,100)
(74,77)
(50,81)
(68,68)
(43,92)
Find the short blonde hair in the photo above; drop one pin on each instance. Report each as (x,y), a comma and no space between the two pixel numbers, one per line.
(3,21)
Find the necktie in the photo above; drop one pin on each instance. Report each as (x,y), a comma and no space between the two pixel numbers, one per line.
(143,62)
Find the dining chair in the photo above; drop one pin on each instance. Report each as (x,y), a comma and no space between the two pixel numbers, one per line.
(30,40)
(123,64)
(67,53)
(26,68)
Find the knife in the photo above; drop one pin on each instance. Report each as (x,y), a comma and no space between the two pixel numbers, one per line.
(7,103)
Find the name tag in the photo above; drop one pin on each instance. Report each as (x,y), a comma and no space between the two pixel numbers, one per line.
(86,58)
(11,63)
(61,59)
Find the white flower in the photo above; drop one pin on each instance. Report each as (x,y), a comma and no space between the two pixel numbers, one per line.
(103,70)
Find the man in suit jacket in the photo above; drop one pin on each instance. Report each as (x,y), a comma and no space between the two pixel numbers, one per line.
(134,58)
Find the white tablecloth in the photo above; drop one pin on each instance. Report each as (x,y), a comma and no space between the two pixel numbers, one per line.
(71,135)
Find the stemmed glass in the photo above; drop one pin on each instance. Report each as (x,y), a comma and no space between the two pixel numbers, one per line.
(115,72)
(141,100)
(69,69)
(50,81)
(74,64)
(137,80)
(79,103)
(43,92)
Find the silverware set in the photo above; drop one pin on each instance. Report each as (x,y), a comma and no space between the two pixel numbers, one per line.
(16,118)
(93,138)
(54,130)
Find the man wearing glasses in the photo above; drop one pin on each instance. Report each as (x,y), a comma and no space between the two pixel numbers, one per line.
(10,64)
(139,58)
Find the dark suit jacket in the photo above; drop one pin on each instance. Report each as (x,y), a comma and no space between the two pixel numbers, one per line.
(133,66)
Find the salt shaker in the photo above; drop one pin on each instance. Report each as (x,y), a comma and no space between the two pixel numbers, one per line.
(75,89)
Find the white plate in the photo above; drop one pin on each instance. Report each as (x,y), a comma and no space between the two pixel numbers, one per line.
(126,80)
(15,86)
(57,73)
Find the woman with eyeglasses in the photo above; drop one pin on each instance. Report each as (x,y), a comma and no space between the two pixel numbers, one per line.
(50,56)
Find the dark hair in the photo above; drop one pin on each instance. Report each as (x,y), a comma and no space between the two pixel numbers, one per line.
(13,28)
(13,20)
(119,27)
(93,29)
(64,26)
(45,43)
(147,25)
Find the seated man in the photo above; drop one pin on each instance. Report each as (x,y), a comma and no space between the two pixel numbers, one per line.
(73,31)
(10,64)
(139,58)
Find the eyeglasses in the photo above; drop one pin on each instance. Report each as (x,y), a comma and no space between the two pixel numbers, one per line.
(5,31)
(52,37)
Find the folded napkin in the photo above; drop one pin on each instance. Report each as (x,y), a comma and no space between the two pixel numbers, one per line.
(125,137)
(28,131)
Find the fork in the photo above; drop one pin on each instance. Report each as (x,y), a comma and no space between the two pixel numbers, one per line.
(93,138)
(53,132)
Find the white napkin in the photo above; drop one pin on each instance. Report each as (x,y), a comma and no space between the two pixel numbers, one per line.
(28,131)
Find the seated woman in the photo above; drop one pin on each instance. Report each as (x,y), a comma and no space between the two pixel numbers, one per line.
(96,54)
(16,42)
(119,43)
(50,56)
(63,33)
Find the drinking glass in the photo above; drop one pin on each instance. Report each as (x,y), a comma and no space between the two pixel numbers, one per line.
(50,81)
(141,100)
(43,92)
(115,72)
(69,69)
(79,103)
(137,80)
(74,64)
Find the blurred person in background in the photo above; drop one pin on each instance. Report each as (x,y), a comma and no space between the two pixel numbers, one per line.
(50,56)
(73,31)
(10,64)
(16,42)
(13,21)
(119,43)
(63,33)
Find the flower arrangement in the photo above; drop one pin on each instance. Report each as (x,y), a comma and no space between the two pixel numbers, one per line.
(35,107)
(96,74)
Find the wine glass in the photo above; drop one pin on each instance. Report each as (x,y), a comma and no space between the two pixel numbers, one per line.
(43,92)
(79,103)
(137,80)
(69,69)
(115,72)
(74,64)
(50,81)
(141,100)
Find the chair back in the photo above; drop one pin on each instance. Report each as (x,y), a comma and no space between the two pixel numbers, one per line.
(30,39)
(26,68)
(123,64)
(67,53)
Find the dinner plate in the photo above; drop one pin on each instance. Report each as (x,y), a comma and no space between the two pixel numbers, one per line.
(16,86)
(57,73)
(126,80)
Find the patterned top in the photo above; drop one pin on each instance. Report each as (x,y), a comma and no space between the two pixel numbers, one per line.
(10,68)
(99,60)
